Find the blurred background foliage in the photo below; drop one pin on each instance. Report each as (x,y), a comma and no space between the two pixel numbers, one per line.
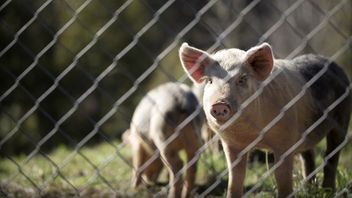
(55,40)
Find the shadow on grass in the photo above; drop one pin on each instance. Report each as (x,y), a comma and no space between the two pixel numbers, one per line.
(218,190)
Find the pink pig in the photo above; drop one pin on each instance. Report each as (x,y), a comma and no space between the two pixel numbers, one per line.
(232,76)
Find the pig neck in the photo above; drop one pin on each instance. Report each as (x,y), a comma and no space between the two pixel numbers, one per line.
(281,91)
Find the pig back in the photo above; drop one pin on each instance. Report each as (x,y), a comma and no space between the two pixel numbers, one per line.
(168,101)
(330,85)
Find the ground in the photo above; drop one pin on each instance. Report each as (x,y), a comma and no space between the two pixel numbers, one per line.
(104,170)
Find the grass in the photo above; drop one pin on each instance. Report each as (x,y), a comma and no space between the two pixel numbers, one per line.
(107,172)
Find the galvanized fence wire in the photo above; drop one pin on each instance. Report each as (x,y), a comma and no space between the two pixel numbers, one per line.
(53,120)
(314,125)
(115,108)
(96,81)
(282,112)
(18,123)
(137,82)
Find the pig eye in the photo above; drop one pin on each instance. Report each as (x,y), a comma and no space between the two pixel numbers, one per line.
(242,80)
(209,80)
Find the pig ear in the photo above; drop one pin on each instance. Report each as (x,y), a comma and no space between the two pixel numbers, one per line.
(194,62)
(261,61)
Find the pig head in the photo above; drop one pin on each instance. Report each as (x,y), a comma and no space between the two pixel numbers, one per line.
(231,76)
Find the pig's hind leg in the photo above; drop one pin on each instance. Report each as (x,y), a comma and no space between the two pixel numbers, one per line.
(152,172)
(308,164)
(174,165)
(169,154)
(334,138)
(138,159)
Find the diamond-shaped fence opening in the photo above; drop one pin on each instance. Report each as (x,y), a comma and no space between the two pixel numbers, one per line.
(73,72)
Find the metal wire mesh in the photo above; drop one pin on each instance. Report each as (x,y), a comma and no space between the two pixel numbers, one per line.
(72,73)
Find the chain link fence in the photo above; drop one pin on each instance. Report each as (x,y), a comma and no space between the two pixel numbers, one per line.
(72,73)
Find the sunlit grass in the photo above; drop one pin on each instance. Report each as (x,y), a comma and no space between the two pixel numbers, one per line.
(105,170)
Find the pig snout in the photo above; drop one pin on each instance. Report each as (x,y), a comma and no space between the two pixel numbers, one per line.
(221,111)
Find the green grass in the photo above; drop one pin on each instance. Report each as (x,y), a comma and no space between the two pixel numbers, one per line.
(114,174)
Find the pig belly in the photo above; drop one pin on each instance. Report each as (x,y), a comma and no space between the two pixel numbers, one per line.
(277,138)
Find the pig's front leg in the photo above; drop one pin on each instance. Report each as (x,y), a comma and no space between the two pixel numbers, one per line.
(283,174)
(236,173)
